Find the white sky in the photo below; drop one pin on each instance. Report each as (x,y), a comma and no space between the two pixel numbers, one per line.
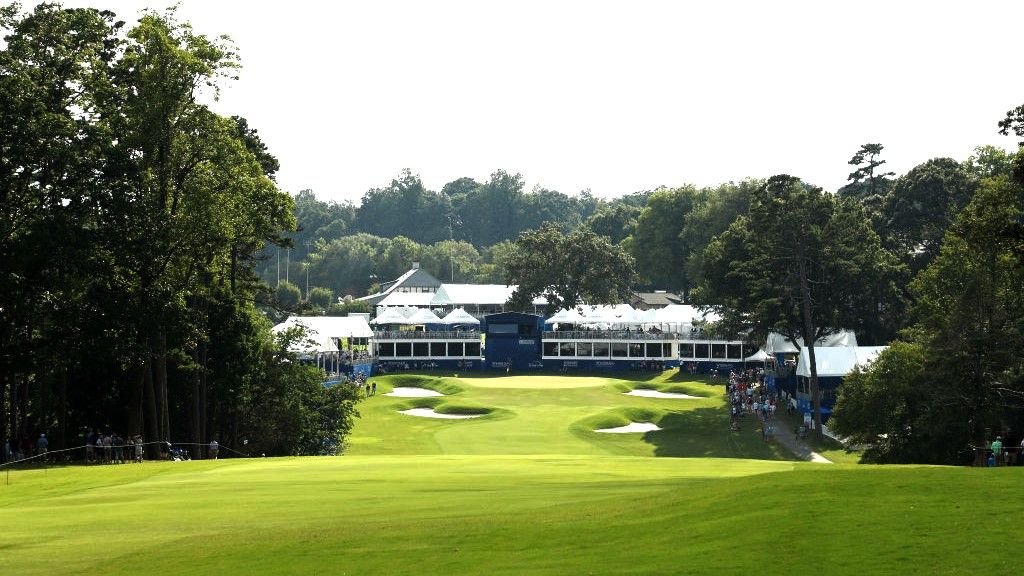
(614,97)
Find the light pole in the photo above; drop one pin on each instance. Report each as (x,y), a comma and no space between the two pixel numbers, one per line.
(307,242)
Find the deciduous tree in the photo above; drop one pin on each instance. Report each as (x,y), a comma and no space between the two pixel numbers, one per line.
(567,270)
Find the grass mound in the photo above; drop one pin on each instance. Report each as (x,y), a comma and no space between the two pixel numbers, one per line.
(446,386)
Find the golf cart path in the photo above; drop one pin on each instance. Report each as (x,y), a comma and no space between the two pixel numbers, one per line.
(787,438)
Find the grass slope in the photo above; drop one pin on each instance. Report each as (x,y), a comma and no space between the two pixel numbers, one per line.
(518,491)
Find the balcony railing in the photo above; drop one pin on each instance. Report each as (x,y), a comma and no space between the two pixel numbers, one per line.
(434,335)
(610,335)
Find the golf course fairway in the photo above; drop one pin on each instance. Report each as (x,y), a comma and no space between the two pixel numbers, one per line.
(526,488)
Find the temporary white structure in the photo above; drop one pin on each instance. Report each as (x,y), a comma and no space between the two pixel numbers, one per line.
(322,332)
(679,318)
(390,316)
(837,360)
(459,316)
(423,316)
(779,344)
(619,314)
(570,316)
(759,356)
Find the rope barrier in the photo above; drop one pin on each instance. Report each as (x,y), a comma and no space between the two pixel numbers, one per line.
(126,448)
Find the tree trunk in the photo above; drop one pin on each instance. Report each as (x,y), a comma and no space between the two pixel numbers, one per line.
(4,412)
(135,406)
(160,376)
(150,414)
(203,405)
(197,414)
(62,410)
(809,332)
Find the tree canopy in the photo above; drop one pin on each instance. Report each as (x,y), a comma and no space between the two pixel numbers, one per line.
(567,269)
(131,214)
(795,264)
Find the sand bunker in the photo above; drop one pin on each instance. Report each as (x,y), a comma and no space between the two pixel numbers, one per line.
(656,394)
(429,413)
(632,427)
(408,392)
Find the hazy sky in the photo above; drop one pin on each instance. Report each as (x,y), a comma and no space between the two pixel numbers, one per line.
(614,97)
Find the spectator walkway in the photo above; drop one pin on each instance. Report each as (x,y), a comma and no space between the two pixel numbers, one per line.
(785,436)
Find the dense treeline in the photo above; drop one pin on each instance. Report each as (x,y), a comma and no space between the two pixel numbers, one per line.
(955,379)
(897,258)
(130,214)
(139,232)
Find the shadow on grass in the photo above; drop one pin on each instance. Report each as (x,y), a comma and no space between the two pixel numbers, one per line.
(680,376)
(704,432)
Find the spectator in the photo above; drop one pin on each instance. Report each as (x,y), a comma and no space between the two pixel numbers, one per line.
(42,445)
(214,448)
(118,443)
(90,443)
(997,449)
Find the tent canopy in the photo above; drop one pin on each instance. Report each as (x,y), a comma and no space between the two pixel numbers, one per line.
(423,316)
(460,316)
(837,360)
(322,331)
(570,316)
(617,314)
(759,356)
(390,316)
(779,344)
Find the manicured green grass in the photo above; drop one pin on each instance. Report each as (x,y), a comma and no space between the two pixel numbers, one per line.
(558,419)
(527,489)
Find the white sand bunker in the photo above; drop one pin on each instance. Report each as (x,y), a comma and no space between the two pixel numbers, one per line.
(656,394)
(409,392)
(429,413)
(632,427)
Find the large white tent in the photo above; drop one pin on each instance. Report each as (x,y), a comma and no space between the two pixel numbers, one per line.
(423,316)
(617,315)
(460,317)
(566,316)
(837,361)
(390,316)
(779,344)
(679,318)
(322,332)
(759,356)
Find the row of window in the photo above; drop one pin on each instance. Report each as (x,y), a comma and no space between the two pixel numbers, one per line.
(428,349)
(416,289)
(609,349)
(705,350)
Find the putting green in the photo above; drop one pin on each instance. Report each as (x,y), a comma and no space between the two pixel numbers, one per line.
(533,381)
(555,415)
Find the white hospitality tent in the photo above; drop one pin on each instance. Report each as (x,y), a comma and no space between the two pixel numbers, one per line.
(390,316)
(323,332)
(678,318)
(837,361)
(459,317)
(759,356)
(423,316)
(619,315)
(566,316)
(779,344)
